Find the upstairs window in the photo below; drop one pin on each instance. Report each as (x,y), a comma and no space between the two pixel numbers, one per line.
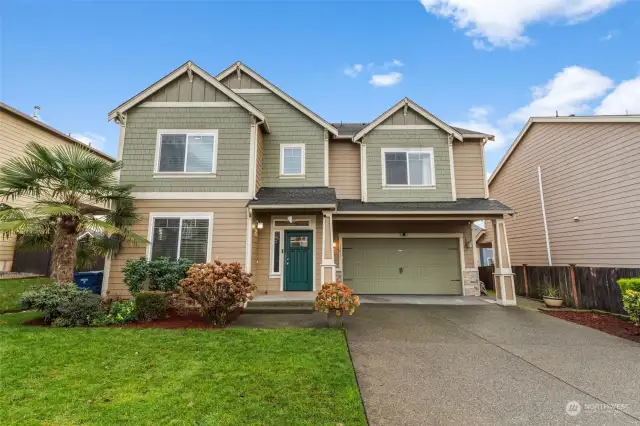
(187,151)
(408,167)
(292,160)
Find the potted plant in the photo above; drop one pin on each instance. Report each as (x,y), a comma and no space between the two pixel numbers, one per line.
(335,299)
(551,297)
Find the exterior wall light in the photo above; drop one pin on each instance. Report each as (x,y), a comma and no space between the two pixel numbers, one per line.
(260,225)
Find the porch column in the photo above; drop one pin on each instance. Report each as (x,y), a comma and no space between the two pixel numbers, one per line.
(503,276)
(328,267)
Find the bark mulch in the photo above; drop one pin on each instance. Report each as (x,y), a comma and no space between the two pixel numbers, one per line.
(173,321)
(610,324)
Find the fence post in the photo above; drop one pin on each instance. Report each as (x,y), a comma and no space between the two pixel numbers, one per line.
(526,280)
(574,287)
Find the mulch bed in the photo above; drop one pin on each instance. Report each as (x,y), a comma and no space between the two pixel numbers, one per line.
(610,324)
(173,321)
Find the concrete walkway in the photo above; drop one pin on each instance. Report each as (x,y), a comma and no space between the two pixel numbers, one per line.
(431,364)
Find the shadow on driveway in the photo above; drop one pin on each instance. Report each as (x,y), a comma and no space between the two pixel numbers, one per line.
(431,364)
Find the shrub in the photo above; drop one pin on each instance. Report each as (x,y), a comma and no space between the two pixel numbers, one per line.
(151,305)
(218,288)
(161,274)
(118,312)
(183,305)
(630,289)
(62,300)
(336,297)
(629,284)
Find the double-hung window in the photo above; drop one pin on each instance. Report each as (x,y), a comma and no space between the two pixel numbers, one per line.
(181,237)
(186,151)
(292,159)
(408,167)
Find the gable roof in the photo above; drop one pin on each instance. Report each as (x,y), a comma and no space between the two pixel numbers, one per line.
(303,109)
(187,67)
(56,132)
(571,119)
(417,108)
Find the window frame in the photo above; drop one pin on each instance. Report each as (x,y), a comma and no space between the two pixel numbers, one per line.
(311,226)
(182,216)
(301,146)
(407,151)
(187,133)
(280,252)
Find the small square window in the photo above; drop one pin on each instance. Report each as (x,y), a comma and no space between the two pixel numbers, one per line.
(296,242)
(292,160)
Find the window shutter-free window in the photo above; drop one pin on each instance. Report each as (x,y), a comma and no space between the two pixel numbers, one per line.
(172,153)
(292,160)
(188,152)
(181,238)
(408,167)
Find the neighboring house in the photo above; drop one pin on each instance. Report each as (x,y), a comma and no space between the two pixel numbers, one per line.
(574,185)
(232,168)
(16,131)
(484,252)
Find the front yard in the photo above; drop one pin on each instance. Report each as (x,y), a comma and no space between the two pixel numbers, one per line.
(145,376)
(12,289)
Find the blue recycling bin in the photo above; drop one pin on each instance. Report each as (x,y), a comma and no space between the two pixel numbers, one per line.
(91,280)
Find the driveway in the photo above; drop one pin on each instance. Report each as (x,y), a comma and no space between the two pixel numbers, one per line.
(434,364)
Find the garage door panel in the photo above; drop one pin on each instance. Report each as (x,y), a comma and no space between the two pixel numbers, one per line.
(402,265)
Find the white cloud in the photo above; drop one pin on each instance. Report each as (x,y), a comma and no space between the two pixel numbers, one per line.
(481,45)
(353,70)
(503,23)
(478,120)
(625,99)
(608,37)
(93,139)
(569,92)
(386,80)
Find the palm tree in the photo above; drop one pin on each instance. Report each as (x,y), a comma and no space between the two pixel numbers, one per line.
(71,189)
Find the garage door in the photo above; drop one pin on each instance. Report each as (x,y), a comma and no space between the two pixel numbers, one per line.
(402,265)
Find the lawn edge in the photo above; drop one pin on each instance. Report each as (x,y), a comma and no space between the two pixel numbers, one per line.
(355,375)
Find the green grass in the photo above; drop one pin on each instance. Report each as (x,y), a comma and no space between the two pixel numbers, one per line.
(153,376)
(11,290)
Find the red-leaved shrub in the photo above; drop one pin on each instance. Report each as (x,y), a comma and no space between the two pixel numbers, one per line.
(336,297)
(218,288)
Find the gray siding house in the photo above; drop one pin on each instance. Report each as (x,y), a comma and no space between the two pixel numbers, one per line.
(232,168)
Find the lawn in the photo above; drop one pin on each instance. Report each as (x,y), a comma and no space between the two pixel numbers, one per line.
(11,290)
(201,377)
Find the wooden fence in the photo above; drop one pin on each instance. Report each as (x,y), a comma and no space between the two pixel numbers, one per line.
(40,262)
(595,288)
(485,273)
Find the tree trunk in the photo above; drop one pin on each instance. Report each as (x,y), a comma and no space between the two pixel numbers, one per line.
(63,259)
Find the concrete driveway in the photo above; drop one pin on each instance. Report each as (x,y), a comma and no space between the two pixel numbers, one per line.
(433,364)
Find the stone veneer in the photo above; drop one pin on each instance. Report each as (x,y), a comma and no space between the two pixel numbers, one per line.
(471,282)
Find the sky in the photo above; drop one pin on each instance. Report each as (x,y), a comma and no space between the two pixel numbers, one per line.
(487,65)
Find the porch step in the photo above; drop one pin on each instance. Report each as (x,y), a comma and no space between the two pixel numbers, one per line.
(279,307)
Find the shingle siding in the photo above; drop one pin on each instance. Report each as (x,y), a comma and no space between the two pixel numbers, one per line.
(288,125)
(234,133)
(436,139)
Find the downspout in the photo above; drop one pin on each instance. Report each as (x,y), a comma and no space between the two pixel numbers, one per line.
(544,216)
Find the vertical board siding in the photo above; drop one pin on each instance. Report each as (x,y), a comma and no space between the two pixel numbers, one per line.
(288,125)
(244,82)
(436,139)
(234,133)
(587,172)
(182,90)
(412,117)
(467,164)
(344,169)
(228,240)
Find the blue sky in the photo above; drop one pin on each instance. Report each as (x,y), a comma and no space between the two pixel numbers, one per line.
(486,64)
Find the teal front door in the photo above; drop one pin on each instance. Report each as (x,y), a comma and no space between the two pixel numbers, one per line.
(298,260)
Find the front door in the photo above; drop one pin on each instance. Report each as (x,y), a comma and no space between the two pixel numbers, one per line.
(298,260)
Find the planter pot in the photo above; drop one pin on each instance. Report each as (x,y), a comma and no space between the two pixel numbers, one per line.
(333,320)
(552,302)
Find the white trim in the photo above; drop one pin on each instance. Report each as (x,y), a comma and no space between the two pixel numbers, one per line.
(454,195)
(187,133)
(105,277)
(506,244)
(251,91)
(180,215)
(300,146)
(497,250)
(248,243)
(484,171)
(588,119)
(189,105)
(239,66)
(384,151)
(336,216)
(121,136)
(476,261)
(326,157)
(417,108)
(441,212)
(253,153)
(544,216)
(192,195)
(293,206)
(310,227)
(459,236)
(363,172)
(185,68)
(407,127)
(272,242)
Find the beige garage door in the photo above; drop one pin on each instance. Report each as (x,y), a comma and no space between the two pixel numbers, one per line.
(402,265)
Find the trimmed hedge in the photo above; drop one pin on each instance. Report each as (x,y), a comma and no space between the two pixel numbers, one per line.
(151,305)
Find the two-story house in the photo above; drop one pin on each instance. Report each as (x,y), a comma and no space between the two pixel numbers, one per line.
(233,168)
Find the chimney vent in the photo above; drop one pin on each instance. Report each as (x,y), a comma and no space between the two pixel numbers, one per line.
(36,109)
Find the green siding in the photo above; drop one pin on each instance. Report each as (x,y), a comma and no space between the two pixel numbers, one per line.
(234,128)
(399,118)
(436,139)
(182,90)
(288,125)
